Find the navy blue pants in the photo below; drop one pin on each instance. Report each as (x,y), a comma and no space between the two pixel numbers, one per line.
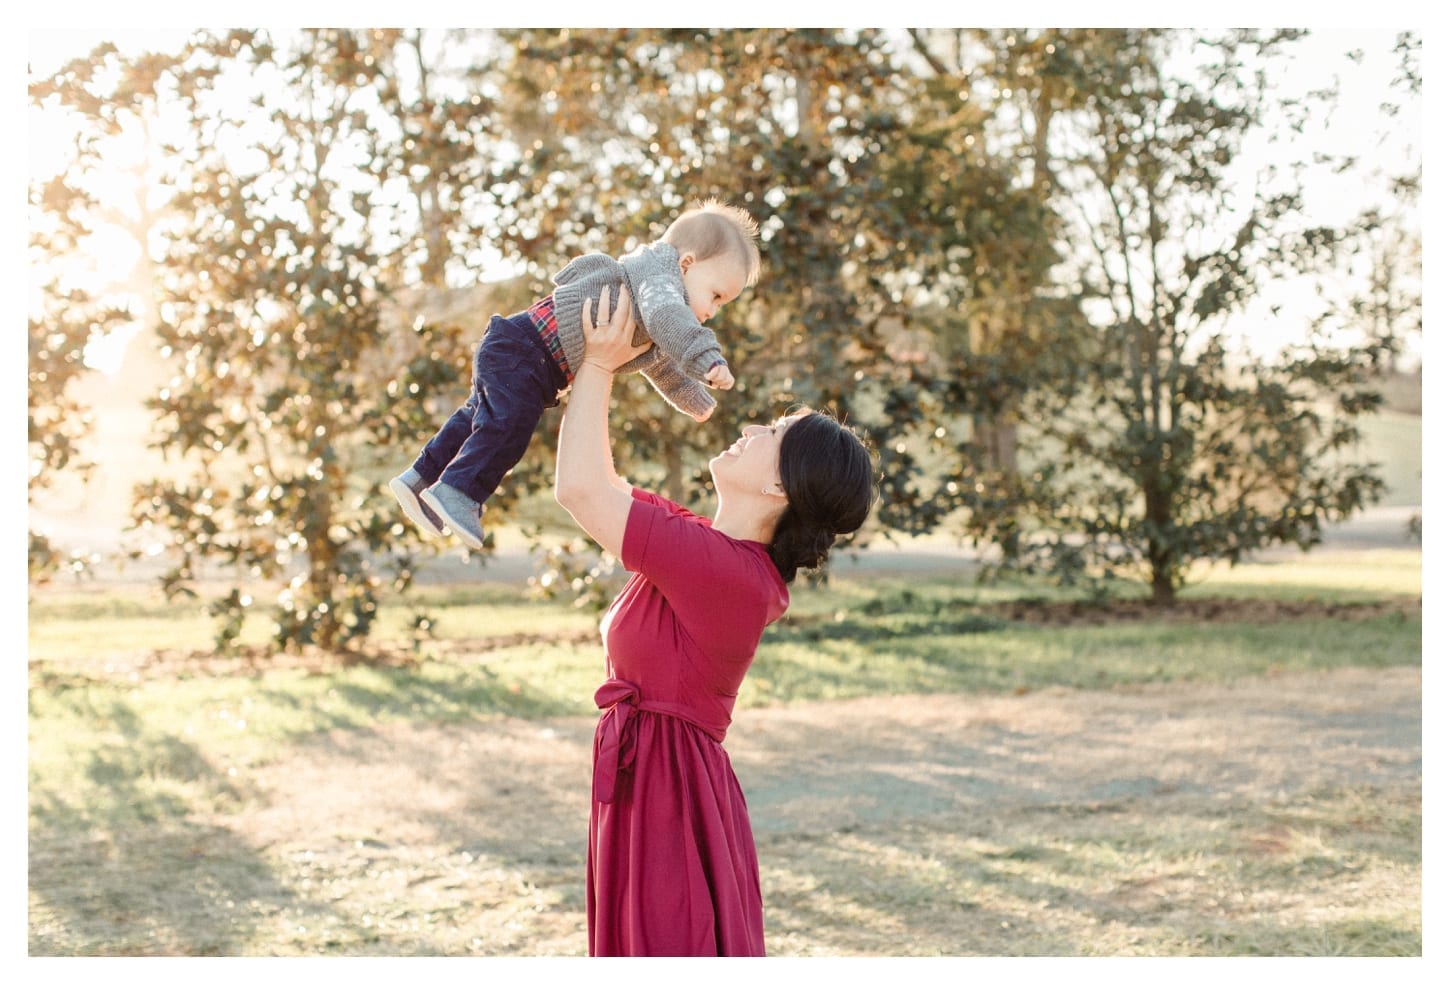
(515,380)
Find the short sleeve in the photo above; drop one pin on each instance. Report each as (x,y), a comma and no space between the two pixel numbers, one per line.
(721,589)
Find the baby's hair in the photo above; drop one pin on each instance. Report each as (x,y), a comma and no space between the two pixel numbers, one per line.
(711,228)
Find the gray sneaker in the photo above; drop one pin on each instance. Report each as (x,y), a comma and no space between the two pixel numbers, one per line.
(406,488)
(461,514)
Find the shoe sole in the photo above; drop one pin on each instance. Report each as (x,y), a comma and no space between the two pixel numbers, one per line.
(413,508)
(437,507)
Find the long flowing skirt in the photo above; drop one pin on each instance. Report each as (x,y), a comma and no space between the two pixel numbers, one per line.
(672,863)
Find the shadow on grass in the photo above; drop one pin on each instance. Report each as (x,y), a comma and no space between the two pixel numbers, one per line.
(995,834)
(1342,938)
(361,697)
(1144,876)
(883,892)
(121,861)
(145,840)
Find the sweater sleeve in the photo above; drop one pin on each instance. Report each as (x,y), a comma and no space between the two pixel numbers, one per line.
(660,297)
(588,265)
(679,391)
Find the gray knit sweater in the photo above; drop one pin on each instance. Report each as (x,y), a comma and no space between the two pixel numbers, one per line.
(683,350)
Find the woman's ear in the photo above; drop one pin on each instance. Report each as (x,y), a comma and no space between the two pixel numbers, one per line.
(774,489)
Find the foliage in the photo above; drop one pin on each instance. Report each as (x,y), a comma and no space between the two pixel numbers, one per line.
(64,211)
(872,232)
(588,575)
(1007,256)
(288,230)
(1147,443)
(994,328)
(633,125)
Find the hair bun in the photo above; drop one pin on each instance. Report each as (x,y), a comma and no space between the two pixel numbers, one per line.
(803,544)
(826,472)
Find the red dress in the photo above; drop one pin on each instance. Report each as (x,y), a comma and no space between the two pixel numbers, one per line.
(672,865)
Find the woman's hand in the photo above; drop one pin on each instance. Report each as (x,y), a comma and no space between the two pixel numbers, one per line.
(607,346)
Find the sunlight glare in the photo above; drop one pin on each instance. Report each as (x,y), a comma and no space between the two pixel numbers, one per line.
(108,352)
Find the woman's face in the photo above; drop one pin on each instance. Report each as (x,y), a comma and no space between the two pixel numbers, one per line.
(754,459)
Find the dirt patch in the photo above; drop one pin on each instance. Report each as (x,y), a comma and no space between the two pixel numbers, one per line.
(867,760)
(878,760)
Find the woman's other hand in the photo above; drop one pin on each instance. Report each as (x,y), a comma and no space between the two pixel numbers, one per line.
(607,345)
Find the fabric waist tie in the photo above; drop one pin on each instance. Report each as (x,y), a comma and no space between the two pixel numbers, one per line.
(614,738)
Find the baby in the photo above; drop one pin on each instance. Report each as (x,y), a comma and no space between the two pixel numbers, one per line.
(703,261)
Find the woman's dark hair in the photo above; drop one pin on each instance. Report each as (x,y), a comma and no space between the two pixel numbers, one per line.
(827,475)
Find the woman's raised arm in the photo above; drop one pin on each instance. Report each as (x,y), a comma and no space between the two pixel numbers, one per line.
(585,482)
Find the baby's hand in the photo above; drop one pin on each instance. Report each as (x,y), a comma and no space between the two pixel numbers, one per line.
(702,418)
(719,377)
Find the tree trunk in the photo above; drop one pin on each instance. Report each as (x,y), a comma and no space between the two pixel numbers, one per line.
(674,473)
(1164,594)
(1159,515)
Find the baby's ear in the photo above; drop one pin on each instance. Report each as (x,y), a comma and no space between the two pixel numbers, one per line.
(686,260)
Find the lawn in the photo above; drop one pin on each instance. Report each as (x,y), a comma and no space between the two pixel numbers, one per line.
(154,774)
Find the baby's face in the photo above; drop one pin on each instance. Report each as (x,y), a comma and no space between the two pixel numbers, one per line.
(711,284)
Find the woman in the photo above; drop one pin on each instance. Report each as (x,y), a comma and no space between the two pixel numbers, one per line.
(672,864)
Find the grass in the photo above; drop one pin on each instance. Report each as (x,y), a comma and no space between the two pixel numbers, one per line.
(1213,880)
(1339,576)
(497,652)
(849,661)
(85,627)
(143,782)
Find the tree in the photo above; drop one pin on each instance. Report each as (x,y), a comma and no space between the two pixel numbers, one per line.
(1384,306)
(292,225)
(66,212)
(1009,255)
(1380,300)
(632,125)
(971,171)
(70,318)
(872,229)
(1157,446)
